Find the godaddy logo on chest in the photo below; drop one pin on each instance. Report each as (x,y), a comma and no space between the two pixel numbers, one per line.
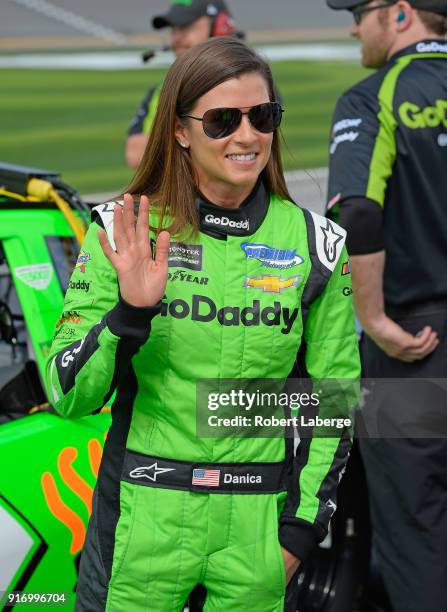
(203,310)
(415,117)
(226,222)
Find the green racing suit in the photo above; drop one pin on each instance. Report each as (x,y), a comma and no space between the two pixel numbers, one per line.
(255,285)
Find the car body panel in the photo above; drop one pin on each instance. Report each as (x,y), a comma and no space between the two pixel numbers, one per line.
(49,464)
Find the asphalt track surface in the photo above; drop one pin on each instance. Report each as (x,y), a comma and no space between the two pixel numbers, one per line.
(64,18)
(20,19)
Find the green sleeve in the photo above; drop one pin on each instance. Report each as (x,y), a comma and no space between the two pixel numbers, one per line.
(332,362)
(96,336)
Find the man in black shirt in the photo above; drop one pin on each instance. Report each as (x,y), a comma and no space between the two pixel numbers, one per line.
(388,188)
(191,22)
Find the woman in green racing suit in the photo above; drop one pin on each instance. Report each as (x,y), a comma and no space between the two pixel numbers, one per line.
(241,281)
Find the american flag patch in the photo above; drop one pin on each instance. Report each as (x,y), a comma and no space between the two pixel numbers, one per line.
(346,269)
(206,478)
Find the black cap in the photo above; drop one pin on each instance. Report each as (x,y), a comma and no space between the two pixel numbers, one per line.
(434,6)
(184,12)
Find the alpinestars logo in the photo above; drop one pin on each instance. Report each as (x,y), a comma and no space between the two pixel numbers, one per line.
(331,239)
(226,222)
(150,472)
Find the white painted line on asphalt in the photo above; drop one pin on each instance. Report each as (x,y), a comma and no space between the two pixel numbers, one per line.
(309,51)
(77,61)
(131,60)
(77,22)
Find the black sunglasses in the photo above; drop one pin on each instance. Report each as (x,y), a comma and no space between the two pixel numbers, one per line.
(221,122)
(359,11)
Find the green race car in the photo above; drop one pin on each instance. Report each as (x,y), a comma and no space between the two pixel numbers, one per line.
(48,464)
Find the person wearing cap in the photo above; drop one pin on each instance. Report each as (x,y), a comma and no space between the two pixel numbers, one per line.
(387,187)
(192,22)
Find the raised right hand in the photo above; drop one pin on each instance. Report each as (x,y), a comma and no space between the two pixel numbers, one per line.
(142,279)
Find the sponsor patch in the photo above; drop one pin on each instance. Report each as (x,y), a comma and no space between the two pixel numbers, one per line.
(271,284)
(150,472)
(431,47)
(184,277)
(203,310)
(36,276)
(185,256)
(82,261)
(347,291)
(206,478)
(225,222)
(65,332)
(271,257)
(69,356)
(344,137)
(415,117)
(69,317)
(346,268)
(329,239)
(345,124)
(80,285)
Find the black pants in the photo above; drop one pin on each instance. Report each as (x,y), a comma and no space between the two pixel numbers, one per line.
(406,467)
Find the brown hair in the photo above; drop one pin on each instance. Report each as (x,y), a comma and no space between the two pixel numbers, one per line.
(435,23)
(165,173)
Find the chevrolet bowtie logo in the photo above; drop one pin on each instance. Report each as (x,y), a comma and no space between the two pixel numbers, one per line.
(151,472)
(271,284)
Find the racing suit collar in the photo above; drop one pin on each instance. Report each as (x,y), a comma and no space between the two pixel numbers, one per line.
(220,222)
(428,45)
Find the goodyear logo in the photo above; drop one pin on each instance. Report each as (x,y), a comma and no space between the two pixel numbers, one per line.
(272,284)
(271,257)
(82,261)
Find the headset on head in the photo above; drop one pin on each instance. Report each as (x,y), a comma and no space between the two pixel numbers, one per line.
(222,24)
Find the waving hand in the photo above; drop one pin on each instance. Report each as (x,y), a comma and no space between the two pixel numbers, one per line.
(142,279)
